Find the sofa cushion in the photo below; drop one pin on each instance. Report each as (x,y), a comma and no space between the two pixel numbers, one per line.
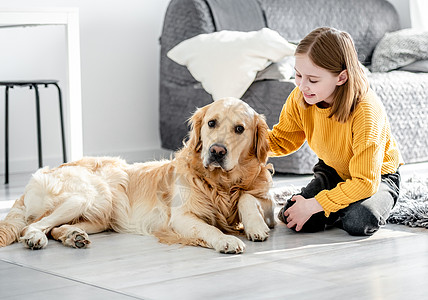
(226,62)
(366,21)
(237,15)
(282,70)
(400,48)
(416,67)
(405,96)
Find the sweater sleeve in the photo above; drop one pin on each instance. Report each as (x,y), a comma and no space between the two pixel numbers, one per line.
(364,166)
(287,136)
(365,169)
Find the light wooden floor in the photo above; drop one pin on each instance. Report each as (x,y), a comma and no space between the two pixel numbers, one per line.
(392,264)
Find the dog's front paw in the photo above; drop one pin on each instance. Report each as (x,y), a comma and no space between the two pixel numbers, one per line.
(34,240)
(257,232)
(229,244)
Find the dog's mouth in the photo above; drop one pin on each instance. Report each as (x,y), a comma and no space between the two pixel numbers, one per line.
(214,164)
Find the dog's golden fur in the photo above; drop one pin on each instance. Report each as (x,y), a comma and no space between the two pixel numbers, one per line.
(215,185)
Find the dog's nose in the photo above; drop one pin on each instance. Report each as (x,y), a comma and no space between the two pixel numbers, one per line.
(218,151)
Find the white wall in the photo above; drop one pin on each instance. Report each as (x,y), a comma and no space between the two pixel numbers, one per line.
(120,73)
(26,54)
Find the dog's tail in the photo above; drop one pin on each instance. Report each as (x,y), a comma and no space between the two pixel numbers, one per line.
(12,225)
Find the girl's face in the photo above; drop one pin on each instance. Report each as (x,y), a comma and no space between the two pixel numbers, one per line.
(316,84)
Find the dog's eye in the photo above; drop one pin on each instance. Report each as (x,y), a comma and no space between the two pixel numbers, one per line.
(239,129)
(211,123)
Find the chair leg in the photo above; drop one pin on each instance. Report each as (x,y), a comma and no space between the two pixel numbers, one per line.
(6,152)
(61,114)
(39,133)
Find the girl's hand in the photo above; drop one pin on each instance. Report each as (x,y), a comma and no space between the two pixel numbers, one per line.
(301,211)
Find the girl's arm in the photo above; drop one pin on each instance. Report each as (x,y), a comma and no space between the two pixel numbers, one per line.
(287,136)
(365,168)
(374,153)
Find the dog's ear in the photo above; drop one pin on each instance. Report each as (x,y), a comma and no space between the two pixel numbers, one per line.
(195,123)
(260,142)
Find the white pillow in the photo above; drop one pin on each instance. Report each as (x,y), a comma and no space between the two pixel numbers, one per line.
(226,62)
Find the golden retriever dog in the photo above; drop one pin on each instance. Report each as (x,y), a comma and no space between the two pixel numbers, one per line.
(216,186)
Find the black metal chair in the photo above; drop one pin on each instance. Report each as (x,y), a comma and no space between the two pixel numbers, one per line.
(32,84)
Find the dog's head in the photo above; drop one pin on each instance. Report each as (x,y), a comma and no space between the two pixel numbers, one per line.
(227,131)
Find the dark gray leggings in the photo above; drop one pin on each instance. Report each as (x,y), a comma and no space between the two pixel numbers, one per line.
(363,217)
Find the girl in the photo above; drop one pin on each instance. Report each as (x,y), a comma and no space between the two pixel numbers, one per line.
(356,181)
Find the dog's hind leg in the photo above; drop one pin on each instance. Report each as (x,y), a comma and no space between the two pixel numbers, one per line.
(11,226)
(76,235)
(34,235)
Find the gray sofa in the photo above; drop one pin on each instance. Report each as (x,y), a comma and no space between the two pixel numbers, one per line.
(404,94)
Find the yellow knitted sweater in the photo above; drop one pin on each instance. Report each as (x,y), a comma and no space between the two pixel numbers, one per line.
(360,150)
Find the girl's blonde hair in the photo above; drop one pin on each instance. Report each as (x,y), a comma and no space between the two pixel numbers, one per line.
(334,50)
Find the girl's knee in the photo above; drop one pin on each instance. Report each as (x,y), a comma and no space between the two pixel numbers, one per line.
(361,229)
(362,222)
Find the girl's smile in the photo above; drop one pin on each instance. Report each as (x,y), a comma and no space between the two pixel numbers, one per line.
(308,95)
